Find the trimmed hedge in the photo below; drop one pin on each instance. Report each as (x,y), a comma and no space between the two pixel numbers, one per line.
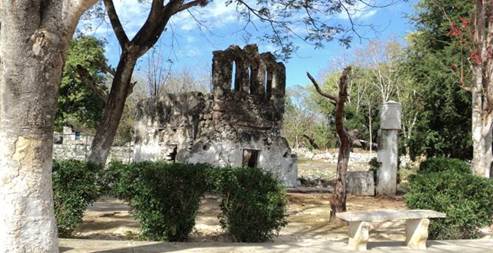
(253,205)
(445,185)
(74,189)
(165,198)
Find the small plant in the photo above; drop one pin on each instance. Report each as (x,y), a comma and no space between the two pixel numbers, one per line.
(74,189)
(374,167)
(465,198)
(253,205)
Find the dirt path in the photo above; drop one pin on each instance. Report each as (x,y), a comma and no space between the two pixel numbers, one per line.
(308,218)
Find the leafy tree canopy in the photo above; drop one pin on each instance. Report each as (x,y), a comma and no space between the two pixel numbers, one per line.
(437,67)
(78,104)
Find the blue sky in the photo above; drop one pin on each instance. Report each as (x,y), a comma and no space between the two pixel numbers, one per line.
(190,45)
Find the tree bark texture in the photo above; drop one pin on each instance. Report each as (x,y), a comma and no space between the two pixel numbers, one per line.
(482,88)
(482,136)
(338,201)
(33,40)
(120,89)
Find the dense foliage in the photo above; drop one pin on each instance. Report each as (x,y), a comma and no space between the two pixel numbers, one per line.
(75,188)
(448,188)
(253,204)
(165,198)
(78,104)
(442,164)
(438,68)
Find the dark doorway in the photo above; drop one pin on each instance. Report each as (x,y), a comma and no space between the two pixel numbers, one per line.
(172,154)
(250,158)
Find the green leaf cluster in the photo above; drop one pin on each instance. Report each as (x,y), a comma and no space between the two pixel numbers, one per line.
(436,63)
(75,187)
(78,105)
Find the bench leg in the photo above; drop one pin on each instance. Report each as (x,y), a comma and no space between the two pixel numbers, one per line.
(359,233)
(417,233)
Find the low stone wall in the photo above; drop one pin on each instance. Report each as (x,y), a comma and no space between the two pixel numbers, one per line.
(80,151)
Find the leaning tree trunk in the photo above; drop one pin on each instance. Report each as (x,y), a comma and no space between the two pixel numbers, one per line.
(338,201)
(121,87)
(113,110)
(33,40)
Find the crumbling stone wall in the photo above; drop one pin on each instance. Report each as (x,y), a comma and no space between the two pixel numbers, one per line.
(237,124)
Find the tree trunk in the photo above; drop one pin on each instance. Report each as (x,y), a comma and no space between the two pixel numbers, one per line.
(113,110)
(338,201)
(31,61)
(121,87)
(482,88)
(370,128)
(481,136)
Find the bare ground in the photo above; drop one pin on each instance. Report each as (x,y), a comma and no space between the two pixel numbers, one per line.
(308,214)
(308,219)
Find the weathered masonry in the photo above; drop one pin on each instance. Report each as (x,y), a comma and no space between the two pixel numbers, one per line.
(237,124)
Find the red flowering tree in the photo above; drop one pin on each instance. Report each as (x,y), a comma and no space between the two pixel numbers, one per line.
(476,37)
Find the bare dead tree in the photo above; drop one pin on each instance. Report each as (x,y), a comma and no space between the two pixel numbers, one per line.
(338,201)
(157,72)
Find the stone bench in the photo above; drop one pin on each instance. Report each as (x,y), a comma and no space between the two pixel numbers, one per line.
(417,222)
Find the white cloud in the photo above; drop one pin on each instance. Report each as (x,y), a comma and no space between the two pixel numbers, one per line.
(214,15)
(131,13)
(358,11)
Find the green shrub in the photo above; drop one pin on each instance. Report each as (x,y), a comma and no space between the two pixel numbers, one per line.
(466,199)
(116,180)
(165,197)
(253,205)
(442,164)
(74,188)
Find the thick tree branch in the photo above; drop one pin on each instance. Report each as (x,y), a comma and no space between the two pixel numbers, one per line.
(155,24)
(311,141)
(317,87)
(191,4)
(341,99)
(116,24)
(72,11)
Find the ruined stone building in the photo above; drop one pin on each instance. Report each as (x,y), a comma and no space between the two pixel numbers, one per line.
(237,124)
